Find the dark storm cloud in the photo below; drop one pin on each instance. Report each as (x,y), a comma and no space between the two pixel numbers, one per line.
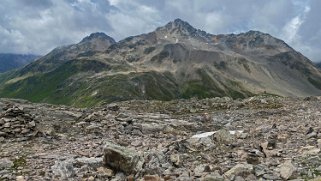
(37,26)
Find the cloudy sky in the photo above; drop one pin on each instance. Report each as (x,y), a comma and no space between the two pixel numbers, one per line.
(37,26)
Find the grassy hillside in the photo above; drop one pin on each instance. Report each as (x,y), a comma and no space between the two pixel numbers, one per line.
(71,84)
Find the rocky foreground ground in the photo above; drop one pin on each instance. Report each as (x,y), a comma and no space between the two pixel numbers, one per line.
(259,138)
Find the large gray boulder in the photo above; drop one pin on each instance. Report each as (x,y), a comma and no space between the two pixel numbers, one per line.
(129,161)
(122,159)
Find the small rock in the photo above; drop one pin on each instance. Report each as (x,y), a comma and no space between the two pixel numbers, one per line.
(259,170)
(32,124)
(6,125)
(92,127)
(136,143)
(5,163)
(256,152)
(119,176)
(309,150)
(92,161)
(113,107)
(122,117)
(64,169)
(268,152)
(204,135)
(200,169)
(105,171)
(254,156)
(310,130)
(318,169)
(251,177)
(311,135)
(287,169)
(319,143)
(154,162)
(253,160)
(239,169)
(91,178)
(24,131)
(20,178)
(130,178)
(242,135)
(151,178)
(175,159)
(272,140)
(223,136)
(213,177)
(239,178)
(82,123)
(151,128)
(271,176)
(3,133)
(199,143)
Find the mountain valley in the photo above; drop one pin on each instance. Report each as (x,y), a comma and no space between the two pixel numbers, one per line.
(9,61)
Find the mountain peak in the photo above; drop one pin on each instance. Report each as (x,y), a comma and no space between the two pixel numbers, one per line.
(180,22)
(96,42)
(98,36)
(178,26)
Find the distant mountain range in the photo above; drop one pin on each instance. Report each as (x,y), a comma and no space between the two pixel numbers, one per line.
(174,61)
(9,61)
(318,65)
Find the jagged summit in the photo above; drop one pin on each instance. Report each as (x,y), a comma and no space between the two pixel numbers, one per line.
(180,24)
(98,35)
(96,42)
(247,34)
(178,27)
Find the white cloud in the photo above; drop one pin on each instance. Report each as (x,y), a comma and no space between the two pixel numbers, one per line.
(114,2)
(290,30)
(132,18)
(37,26)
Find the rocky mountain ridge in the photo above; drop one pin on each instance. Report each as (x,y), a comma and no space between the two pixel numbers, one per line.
(173,62)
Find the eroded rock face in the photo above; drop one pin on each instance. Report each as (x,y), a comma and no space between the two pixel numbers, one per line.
(259,138)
